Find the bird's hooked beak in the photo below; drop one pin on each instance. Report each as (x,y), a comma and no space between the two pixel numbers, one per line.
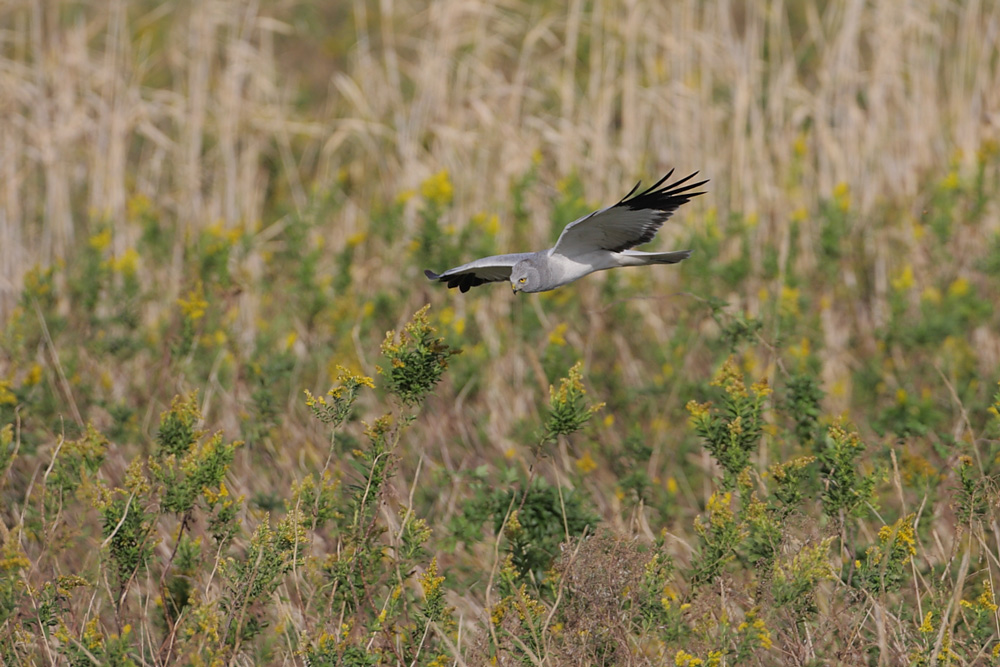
(513,288)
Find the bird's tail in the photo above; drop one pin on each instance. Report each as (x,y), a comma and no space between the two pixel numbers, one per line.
(639,258)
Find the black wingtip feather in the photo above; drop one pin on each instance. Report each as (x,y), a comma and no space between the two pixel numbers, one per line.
(666,198)
(463,281)
(631,192)
(662,199)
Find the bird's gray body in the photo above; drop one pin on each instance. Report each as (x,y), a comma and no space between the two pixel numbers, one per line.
(596,242)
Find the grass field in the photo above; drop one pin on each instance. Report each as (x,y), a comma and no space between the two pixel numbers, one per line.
(782,451)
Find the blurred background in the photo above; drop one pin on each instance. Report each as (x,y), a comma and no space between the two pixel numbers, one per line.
(236,197)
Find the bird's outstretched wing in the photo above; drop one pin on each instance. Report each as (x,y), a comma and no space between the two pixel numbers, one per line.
(631,222)
(486,270)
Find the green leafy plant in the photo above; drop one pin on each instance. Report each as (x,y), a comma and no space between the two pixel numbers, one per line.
(731,433)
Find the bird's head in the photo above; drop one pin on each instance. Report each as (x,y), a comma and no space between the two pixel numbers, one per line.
(524,277)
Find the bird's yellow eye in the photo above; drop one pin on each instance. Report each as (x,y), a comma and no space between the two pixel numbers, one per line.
(522,280)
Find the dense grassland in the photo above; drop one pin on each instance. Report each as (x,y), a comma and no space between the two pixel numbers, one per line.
(783,451)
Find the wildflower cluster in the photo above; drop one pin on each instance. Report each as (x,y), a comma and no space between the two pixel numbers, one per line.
(754,634)
(338,408)
(732,433)
(802,398)
(434,609)
(884,564)
(981,615)
(518,618)
(846,488)
(568,406)
(789,478)
(796,579)
(417,359)
(721,533)
(437,190)
(76,464)
(972,497)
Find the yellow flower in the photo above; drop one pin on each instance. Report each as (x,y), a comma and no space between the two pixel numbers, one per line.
(138,206)
(989,149)
(92,635)
(931,295)
(195,304)
(489,223)
(760,388)
(958,288)
(586,463)
(730,379)
(712,223)
(904,280)
(842,195)
(34,376)
(356,239)
(430,582)
(7,397)
(788,301)
(720,504)
(800,146)
(558,335)
(927,627)
(127,264)
(438,189)
(950,181)
(685,659)
(697,410)
(985,600)
(904,534)
(493,224)
(763,634)
(101,240)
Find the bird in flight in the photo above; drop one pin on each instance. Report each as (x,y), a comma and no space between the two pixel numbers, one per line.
(597,241)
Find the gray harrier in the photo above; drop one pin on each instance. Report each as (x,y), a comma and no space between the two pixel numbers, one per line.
(598,241)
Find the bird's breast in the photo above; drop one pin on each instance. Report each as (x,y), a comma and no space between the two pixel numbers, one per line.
(568,269)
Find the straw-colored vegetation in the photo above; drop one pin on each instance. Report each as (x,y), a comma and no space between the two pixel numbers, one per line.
(784,450)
